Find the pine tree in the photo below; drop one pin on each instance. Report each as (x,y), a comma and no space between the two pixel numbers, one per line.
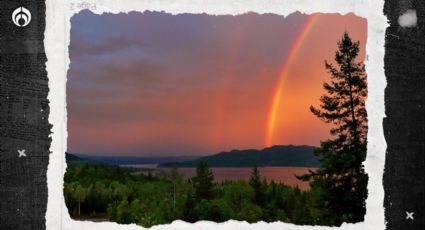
(340,176)
(258,186)
(203,181)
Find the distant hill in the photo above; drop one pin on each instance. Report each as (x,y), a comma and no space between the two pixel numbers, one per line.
(129,160)
(72,159)
(290,155)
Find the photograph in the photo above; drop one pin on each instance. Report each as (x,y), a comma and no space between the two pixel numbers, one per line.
(212,115)
(250,117)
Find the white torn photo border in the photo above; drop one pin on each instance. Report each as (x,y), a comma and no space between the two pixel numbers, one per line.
(57,40)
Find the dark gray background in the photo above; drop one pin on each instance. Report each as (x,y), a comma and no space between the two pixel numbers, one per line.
(404,125)
(24,118)
(24,123)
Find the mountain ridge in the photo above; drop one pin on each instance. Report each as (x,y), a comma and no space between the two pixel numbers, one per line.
(128,160)
(278,155)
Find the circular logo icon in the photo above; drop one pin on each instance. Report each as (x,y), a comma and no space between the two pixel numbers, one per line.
(21,17)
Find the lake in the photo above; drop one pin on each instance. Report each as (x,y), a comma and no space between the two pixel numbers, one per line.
(284,175)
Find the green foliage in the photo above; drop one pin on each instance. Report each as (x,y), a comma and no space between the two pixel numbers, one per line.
(340,181)
(250,212)
(237,194)
(257,185)
(124,196)
(216,210)
(203,181)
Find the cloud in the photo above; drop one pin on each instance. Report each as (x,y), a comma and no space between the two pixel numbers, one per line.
(187,83)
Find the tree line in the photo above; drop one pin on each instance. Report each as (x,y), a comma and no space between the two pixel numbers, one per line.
(124,196)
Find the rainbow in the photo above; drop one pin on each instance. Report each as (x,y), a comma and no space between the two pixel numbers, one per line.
(222,95)
(283,75)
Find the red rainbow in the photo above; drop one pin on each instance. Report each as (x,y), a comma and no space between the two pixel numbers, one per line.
(282,77)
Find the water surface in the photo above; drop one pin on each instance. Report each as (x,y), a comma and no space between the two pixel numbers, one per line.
(284,175)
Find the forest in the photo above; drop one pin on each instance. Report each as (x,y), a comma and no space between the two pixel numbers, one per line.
(124,196)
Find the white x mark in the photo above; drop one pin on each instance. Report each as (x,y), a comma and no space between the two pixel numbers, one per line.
(22,153)
(409,215)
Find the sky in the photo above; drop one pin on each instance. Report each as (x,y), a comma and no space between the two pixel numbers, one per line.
(156,84)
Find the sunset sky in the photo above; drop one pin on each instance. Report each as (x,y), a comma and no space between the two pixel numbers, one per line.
(156,84)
